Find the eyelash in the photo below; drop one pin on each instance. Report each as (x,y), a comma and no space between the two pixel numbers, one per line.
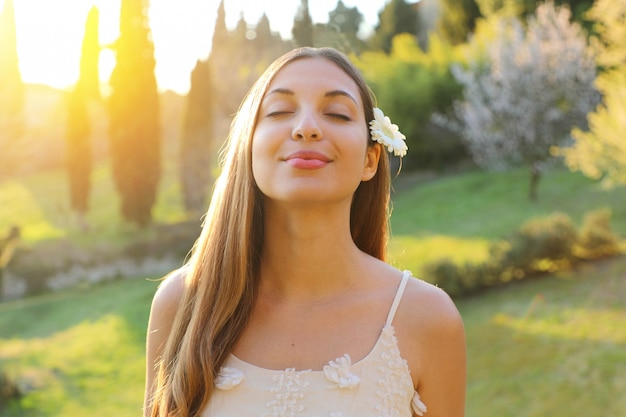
(342,117)
(277,113)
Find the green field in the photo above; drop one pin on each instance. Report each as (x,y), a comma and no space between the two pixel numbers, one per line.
(554,346)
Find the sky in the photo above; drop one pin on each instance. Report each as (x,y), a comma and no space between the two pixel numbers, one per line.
(50,33)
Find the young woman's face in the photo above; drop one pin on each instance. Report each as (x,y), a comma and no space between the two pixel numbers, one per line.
(311,139)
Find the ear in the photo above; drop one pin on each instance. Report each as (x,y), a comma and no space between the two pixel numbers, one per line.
(372,156)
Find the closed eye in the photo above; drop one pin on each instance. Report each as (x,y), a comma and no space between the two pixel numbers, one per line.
(339,116)
(276,114)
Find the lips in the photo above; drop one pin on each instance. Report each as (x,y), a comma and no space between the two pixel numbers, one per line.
(307,160)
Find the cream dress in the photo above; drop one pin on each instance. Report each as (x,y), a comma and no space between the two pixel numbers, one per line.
(378,385)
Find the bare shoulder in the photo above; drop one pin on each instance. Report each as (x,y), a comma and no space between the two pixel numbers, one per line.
(429,307)
(170,290)
(431,336)
(165,303)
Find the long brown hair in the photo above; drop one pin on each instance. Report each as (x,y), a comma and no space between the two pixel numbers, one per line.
(222,273)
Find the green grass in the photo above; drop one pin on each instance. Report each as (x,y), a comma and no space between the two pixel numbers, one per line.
(39,204)
(79,352)
(456,217)
(551,347)
(548,347)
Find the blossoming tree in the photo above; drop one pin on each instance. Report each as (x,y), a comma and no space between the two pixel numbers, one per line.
(524,96)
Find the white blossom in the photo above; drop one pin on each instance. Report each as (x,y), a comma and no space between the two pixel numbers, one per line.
(387,133)
(526,94)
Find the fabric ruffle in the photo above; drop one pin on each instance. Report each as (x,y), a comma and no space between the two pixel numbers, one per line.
(228,378)
(417,405)
(338,372)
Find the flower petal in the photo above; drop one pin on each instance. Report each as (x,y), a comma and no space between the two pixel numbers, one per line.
(387,133)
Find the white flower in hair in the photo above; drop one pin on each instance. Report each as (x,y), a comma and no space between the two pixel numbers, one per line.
(387,134)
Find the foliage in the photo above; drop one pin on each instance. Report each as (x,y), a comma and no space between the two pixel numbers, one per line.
(395,18)
(527,93)
(89,80)
(410,85)
(13,154)
(239,57)
(540,245)
(342,29)
(596,239)
(346,20)
(134,116)
(521,8)
(457,19)
(302,30)
(78,150)
(9,390)
(509,8)
(195,148)
(600,152)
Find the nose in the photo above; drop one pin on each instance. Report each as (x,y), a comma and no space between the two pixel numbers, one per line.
(306,128)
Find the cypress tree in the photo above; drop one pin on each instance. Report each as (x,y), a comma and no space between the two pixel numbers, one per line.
(302,30)
(78,156)
(11,95)
(195,153)
(220,33)
(89,80)
(345,22)
(134,116)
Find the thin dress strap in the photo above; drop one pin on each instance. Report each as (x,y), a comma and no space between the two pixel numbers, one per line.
(398,297)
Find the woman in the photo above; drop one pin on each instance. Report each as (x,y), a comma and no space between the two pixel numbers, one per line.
(286,306)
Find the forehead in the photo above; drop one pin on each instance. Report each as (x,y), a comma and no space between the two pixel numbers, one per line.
(314,73)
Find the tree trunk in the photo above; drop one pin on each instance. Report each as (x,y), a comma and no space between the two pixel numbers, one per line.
(535,176)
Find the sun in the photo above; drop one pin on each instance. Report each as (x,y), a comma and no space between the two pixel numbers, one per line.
(50,35)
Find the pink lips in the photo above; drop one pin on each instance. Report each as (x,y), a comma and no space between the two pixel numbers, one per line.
(307,160)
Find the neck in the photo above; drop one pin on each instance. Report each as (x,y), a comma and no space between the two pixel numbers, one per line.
(308,253)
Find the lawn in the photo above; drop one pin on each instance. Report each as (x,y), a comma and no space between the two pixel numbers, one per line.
(458,216)
(78,352)
(554,346)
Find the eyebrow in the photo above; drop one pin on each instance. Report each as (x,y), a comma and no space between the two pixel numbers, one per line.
(333,93)
(280,91)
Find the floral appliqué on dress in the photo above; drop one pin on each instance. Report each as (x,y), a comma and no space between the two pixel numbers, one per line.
(228,378)
(339,373)
(390,385)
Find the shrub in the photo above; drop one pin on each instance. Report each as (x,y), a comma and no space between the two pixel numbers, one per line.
(410,85)
(546,244)
(445,274)
(8,390)
(539,244)
(597,240)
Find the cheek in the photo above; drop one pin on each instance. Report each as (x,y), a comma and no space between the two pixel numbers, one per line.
(261,151)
